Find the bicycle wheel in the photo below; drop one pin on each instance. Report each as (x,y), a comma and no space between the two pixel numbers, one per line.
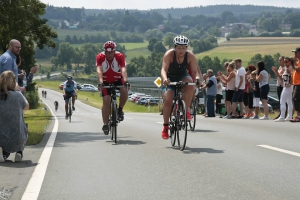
(70,111)
(192,122)
(114,122)
(181,126)
(172,127)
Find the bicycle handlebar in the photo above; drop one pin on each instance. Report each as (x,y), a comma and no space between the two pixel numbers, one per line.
(113,86)
(181,83)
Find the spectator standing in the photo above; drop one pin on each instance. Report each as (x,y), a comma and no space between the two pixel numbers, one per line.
(219,96)
(229,80)
(13,132)
(239,89)
(254,86)
(8,59)
(211,87)
(21,73)
(248,98)
(279,83)
(296,83)
(263,78)
(287,92)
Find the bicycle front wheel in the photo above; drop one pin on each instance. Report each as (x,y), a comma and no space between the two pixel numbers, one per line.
(181,126)
(192,122)
(70,111)
(114,122)
(172,126)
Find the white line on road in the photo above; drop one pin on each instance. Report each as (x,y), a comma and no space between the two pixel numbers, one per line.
(35,183)
(280,150)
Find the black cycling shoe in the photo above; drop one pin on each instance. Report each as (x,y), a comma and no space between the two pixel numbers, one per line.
(120,115)
(66,116)
(73,108)
(105,129)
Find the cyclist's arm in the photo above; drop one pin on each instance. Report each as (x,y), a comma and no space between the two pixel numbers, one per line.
(165,66)
(124,73)
(100,74)
(64,89)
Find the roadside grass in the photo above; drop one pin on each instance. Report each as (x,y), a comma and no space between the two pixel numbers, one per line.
(136,53)
(37,123)
(246,48)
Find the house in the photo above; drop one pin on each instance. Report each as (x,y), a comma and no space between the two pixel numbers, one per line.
(160,27)
(285,26)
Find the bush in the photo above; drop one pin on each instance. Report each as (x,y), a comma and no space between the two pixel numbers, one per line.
(32,96)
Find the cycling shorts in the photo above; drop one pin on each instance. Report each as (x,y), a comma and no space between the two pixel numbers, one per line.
(67,98)
(107,91)
(174,78)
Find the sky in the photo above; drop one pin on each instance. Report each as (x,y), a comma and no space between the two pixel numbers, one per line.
(153,4)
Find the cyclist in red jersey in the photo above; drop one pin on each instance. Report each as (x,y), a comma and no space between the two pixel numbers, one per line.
(111,68)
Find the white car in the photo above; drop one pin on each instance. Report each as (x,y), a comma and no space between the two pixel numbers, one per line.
(89,87)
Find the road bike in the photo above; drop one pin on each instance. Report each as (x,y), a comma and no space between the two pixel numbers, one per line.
(178,118)
(113,118)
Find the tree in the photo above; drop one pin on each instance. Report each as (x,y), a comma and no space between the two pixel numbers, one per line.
(65,55)
(22,20)
(151,44)
(158,47)
(154,33)
(89,52)
(255,59)
(168,41)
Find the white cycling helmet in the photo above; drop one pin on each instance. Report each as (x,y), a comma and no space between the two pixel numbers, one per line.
(181,40)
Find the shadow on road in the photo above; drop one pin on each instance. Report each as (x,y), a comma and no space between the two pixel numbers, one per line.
(130,142)
(22,164)
(63,138)
(203,131)
(188,150)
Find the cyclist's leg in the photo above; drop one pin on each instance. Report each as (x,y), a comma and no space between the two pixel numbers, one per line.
(168,99)
(66,106)
(73,100)
(187,93)
(105,109)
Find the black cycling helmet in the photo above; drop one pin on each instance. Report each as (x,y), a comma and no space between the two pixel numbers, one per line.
(69,77)
(181,40)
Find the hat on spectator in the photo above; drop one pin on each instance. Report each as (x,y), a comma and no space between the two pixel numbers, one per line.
(296,50)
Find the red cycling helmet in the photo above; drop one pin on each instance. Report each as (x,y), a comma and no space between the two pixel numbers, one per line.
(109,46)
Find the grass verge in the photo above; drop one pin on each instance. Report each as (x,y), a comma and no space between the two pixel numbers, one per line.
(37,122)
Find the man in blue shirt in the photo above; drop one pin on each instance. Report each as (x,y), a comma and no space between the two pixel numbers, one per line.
(70,88)
(8,59)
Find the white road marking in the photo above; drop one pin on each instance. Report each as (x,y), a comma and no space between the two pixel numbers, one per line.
(35,183)
(160,122)
(280,150)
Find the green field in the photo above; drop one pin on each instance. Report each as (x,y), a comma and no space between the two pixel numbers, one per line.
(246,48)
(62,33)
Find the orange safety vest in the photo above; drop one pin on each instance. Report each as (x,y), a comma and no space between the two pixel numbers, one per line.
(296,75)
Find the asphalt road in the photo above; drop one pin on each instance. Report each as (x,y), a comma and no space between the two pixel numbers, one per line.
(224,159)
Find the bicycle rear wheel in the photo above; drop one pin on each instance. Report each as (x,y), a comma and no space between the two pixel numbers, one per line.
(192,122)
(70,111)
(113,123)
(181,126)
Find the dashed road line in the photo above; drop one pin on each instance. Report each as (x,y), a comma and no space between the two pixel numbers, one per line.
(280,150)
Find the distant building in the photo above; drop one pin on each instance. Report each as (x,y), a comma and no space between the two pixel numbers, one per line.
(184,26)
(254,32)
(160,27)
(285,26)
(73,27)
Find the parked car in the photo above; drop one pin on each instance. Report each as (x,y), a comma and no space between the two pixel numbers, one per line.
(152,102)
(89,87)
(274,102)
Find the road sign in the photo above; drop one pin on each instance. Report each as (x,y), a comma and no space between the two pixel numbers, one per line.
(158,82)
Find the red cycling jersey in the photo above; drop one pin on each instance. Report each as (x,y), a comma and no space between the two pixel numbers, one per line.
(111,69)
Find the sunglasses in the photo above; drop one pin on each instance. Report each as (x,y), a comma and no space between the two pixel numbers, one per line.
(286,61)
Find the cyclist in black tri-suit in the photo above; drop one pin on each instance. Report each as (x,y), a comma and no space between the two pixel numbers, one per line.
(174,68)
